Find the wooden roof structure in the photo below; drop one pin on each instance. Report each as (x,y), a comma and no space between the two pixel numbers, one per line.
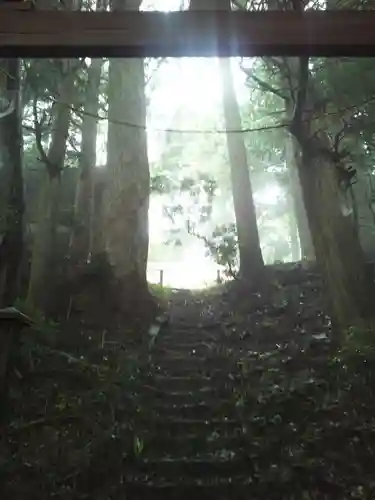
(186,34)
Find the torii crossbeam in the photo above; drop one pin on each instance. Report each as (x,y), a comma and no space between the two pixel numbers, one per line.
(186,34)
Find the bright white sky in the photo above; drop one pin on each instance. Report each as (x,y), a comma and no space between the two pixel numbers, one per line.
(190,84)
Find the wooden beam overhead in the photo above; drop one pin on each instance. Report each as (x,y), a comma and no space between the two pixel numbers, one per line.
(186,34)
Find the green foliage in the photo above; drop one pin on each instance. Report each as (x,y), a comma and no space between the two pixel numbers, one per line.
(322,406)
(44,329)
(162,293)
(191,205)
(73,424)
(359,342)
(160,183)
(222,246)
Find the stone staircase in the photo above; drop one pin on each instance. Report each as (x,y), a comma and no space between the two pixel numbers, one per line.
(191,435)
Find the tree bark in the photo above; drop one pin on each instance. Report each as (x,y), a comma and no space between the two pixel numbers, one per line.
(43,270)
(304,235)
(339,253)
(11,183)
(250,254)
(98,237)
(338,250)
(289,80)
(126,198)
(295,248)
(362,196)
(81,240)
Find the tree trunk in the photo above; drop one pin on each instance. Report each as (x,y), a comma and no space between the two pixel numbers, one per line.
(11,182)
(295,248)
(42,273)
(363,215)
(43,270)
(289,80)
(98,236)
(338,250)
(251,259)
(250,254)
(305,241)
(126,199)
(81,240)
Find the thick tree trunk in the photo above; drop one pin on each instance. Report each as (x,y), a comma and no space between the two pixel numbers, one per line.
(126,199)
(43,272)
(305,241)
(11,182)
(363,215)
(42,276)
(81,240)
(289,79)
(295,248)
(98,230)
(338,251)
(251,259)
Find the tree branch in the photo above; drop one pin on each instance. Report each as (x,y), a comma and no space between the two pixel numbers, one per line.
(288,76)
(9,106)
(262,84)
(297,120)
(237,4)
(38,135)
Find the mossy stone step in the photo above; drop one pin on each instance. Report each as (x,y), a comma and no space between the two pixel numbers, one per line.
(196,350)
(186,345)
(192,446)
(175,399)
(202,371)
(171,469)
(151,395)
(177,330)
(201,410)
(177,361)
(236,488)
(191,383)
(168,426)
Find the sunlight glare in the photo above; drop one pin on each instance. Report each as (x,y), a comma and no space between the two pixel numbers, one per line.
(270,195)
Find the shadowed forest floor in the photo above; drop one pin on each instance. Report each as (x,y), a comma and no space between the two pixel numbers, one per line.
(240,396)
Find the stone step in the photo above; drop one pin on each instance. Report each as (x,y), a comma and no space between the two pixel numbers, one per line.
(188,336)
(193,382)
(204,368)
(151,396)
(176,361)
(185,343)
(170,469)
(183,369)
(181,364)
(171,426)
(236,488)
(185,350)
(219,354)
(202,410)
(189,444)
(191,342)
